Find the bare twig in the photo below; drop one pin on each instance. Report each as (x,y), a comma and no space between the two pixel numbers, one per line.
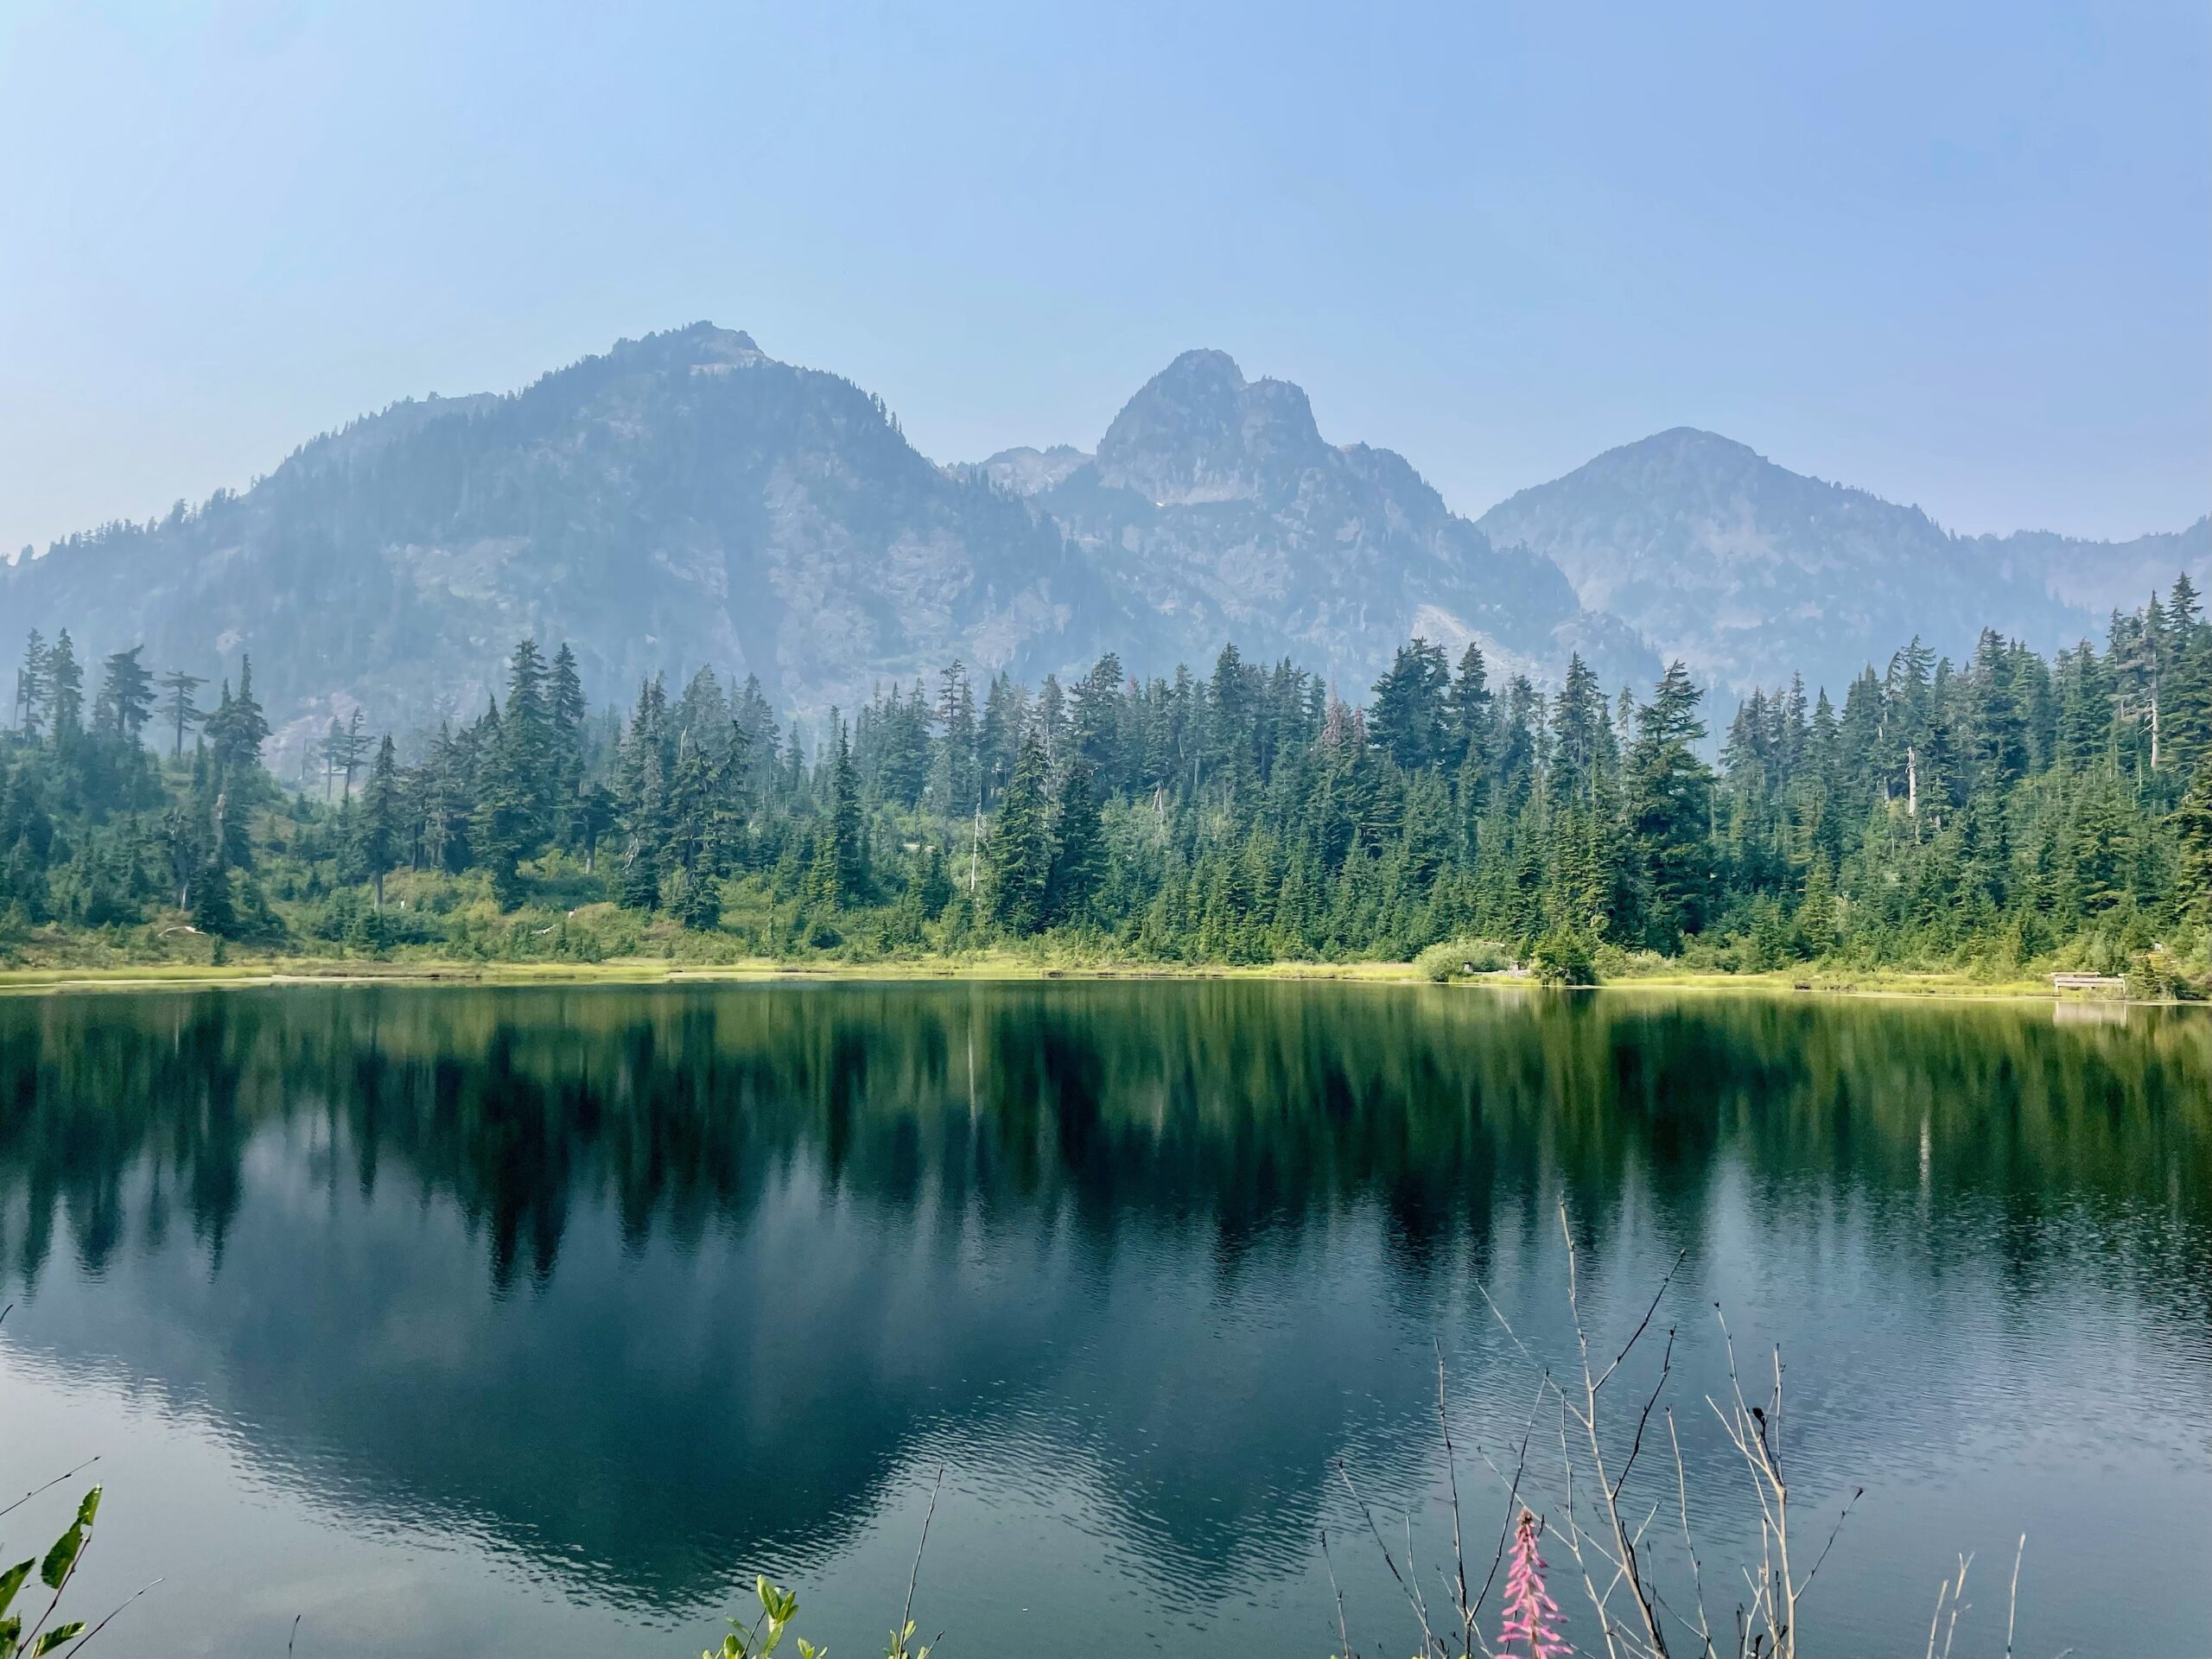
(50,1484)
(906,1617)
(1857,1493)
(1344,1637)
(1958,1594)
(1645,1324)
(1689,1546)
(1586,1413)
(2013,1602)
(77,1647)
(1451,1479)
(1512,1495)
(1943,1591)
(1413,1596)
(1666,1369)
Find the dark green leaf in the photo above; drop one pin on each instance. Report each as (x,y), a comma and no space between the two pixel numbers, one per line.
(11,1581)
(62,1557)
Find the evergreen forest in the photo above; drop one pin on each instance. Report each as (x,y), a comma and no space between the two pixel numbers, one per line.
(2005,815)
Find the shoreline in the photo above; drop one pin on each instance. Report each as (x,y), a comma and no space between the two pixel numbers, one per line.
(999,966)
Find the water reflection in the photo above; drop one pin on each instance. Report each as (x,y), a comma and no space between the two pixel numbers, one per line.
(639,1285)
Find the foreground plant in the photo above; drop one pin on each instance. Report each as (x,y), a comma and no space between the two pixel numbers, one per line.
(1531,1616)
(1610,1528)
(779,1607)
(54,1572)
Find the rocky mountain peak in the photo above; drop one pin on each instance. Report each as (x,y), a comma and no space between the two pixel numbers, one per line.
(1198,431)
(1029,471)
(701,345)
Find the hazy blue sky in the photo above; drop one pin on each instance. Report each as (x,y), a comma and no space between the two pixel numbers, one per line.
(1959,254)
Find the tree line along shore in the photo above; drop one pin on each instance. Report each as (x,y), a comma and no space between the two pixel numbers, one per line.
(1990,822)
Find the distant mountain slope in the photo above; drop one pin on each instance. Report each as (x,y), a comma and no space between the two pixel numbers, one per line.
(685,500)
(682,500)
(2097,578)
(1216,510)
(1748,571)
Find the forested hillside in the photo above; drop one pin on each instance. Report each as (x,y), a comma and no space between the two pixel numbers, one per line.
(1997,812)
(1749,572)
(686,499)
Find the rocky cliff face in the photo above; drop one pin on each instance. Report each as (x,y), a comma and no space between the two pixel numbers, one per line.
(1216,510)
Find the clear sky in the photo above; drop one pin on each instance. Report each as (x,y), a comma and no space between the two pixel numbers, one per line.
(1959,254)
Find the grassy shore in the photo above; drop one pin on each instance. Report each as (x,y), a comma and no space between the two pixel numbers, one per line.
(85,969)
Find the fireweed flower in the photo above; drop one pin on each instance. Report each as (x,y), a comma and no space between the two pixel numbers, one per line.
(1531,1616)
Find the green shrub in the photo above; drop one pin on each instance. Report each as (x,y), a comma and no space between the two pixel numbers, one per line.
(1564,957)
(1457,958)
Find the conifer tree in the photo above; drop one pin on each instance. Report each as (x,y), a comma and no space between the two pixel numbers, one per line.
(126,695)
(2193,828)
(378,826)
(1670,807)
(65,690)
(1019,857)
(34,687)
(181,712)
(1078,853)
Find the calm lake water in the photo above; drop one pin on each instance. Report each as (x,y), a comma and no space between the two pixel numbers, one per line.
(531,1321)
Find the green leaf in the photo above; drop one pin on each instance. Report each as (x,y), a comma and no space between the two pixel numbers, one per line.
(62,1559)
(58,1561)
(11,1631)
(12,1580)
(55,1637)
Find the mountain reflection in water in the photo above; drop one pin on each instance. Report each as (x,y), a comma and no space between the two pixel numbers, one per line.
(644,1289)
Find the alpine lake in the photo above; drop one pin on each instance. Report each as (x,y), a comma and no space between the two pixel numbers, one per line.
(425,1320)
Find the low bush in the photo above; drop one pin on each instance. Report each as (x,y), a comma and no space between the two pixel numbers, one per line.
(1565,957)
(1457,958)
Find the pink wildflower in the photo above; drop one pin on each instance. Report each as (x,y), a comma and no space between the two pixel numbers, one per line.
(1531,1616)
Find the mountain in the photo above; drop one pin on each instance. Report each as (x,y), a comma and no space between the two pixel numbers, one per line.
(686,500)
(1748,571)
(1216,510)
(682,500)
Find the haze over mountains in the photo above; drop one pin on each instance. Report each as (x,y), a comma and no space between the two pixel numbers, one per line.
(1749,572)
(686,500)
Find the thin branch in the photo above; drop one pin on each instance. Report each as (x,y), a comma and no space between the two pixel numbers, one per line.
(906,1617)
(1689,1546)
(1645,1324)
(1666,1369)
(2013,1602)
(1857,1493)
(1344,1637)
(50,1484)
(1429,1637)
(1452,1479)
(77,1646)
(1958,1596)
(1512,1495)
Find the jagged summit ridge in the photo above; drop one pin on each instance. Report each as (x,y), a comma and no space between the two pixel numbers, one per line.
(685,499)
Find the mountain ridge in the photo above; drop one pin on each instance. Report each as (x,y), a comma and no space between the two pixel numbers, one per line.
(685,499)
(1750,572)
